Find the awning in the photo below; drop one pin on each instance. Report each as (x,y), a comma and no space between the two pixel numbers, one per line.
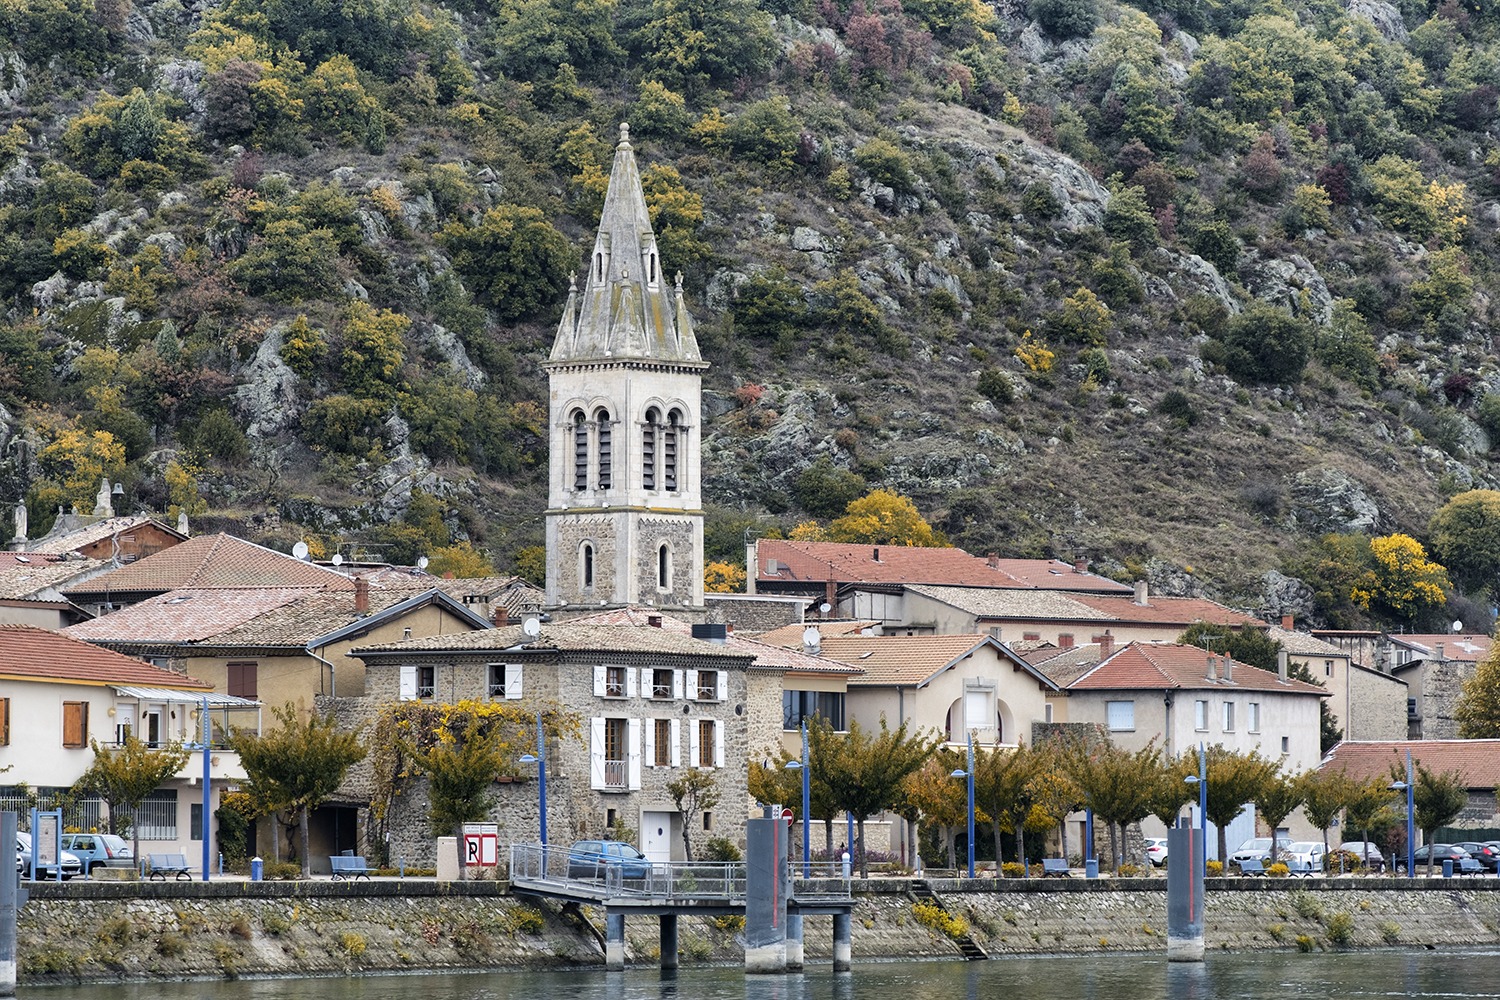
(215,700)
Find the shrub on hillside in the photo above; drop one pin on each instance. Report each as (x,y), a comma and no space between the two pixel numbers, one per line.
(1266,344)
(1065,18)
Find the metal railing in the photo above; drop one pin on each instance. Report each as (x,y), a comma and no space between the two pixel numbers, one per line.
(614,774)
(672,880)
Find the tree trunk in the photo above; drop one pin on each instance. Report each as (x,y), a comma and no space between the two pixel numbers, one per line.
(1114,847)
(915,858)
(458,838)
(828,840)
(950,834)
(1062,829)
(275,836)
(999,857)
(1224,850)
(306,854)
(864,857)
(1021,847)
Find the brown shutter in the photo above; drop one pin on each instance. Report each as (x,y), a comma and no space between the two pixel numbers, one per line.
(4,722)
(242,678)
(75,723)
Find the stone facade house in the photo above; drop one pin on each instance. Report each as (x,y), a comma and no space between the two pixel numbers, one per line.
(1434,669)
(1366,703)
(652,702)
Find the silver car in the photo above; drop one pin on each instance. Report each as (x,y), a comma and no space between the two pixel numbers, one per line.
(70,864)
(1303,857)
(1259,849)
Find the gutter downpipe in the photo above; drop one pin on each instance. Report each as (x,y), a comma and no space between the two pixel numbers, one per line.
(332,686)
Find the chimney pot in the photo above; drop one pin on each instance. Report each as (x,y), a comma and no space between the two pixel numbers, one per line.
(1286,622)
(1437,650)
(1211,675)
(1142,592)
(1080,565)
(1281,666)
(502,616)
(993,559)
(361,595)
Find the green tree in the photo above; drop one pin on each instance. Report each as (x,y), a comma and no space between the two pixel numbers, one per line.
(867,772)
(885,518)
(886,163)
(1370,807)
(1325,793)
(461,765)
(373,351)
(1129,218)
(1266,344)
(123,778)
(690,45)
(824,490)
(533,37)
(1118,785)
(288,261)
(1066,18)
(531,564)
(1000,779)
(1234,778)
(514,260)
(1478,710)
(770,306)
(694,793)
(1465,535)
(1084,319)
(1279,795)
(1346,347)
(1437,799)
(299,765)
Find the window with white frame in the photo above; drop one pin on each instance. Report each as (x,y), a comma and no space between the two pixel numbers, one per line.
(1252,717)
(1200,715)
(979,707)
(505,681)
(1229,717)
(1121,715)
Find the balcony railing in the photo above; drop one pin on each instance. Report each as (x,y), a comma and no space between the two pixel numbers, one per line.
(614,774)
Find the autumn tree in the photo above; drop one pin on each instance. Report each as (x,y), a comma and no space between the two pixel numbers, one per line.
(1437,799)
(722,578)
(1478,708)
(865,774)
(695,792)
(1370,806)
(1118,785)
(298,765)
(1234,779)
(462,560)
(123,778)
(1466,538)
(884,518)
(373,351)
(1279,795)
(1403,581)
(939,798)
(1172,790)
(1324,794)
(1000,778)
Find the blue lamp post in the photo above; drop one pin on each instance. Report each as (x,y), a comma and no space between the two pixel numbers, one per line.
(969,774)
(1201,780)
(540,760)
(1406,786)
(206,749)
(805,767)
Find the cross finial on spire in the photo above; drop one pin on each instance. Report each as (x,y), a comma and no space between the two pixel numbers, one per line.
(624,133)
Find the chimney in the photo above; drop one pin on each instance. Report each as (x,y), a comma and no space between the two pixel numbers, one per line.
(1437,652)
(752,560)
(1228,670)
(812,641)
(502,616)
(877,555)
(1106,645)
(1080,565)
(1211,675)
(1281,666)
(1286,622)
(712,632)
(654,621)
(770,567)
(993,559)
(361,596)
(1142,593)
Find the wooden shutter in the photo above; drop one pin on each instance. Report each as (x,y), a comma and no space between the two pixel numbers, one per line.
(722,693)
(409,683)
(693,746)
(650,735)
(596,753)
(718,744)
(692,685)
(242,678)
(676,743)
(512,681)
(599,681)
(630,681)
(633,752)
(75,723)
(4,722)
(677,684)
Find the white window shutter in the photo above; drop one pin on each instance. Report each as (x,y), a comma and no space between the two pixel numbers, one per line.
(676,747)
(408,683)
(650,742)
(599,681)
(693,742)
(718,744)
(692,685)
(512,682)
(677,684)
(630,673)
(722,692)
(633,751)
(596,753)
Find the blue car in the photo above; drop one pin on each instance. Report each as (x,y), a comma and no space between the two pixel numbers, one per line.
(590,858)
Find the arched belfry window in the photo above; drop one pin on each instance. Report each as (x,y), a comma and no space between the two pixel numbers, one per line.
(648,449)
(580,452)
(663,567)
(605,458)
(586,566)
(673,439)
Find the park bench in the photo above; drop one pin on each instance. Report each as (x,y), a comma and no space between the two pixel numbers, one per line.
(163,865)
(1055,866)
(1252,866)
(351,867)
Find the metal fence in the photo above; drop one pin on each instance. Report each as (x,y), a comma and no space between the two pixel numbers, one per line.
(156,819)
(672,880)
(80,814)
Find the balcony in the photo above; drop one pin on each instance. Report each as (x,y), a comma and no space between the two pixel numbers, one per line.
(614,774)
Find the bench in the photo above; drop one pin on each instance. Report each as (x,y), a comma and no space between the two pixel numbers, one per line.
(1252,866)
(163,865)
(350,867)
(1055,866)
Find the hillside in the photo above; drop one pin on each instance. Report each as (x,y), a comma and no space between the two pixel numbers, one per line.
(1179,289)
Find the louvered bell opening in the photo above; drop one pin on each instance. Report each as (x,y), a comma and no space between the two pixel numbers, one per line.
(605,456)
(648,458)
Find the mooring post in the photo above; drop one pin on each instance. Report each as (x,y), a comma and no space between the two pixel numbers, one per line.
(1185,865)
(842,950)
(614,942)
(766,886)
(793,942)
(669,940)
(11,900)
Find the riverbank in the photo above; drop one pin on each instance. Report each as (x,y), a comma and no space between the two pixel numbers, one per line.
(105,932)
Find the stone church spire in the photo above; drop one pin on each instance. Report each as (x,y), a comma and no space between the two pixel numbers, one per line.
(627,308)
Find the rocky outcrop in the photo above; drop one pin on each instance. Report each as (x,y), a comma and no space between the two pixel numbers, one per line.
(1291,282)
(13,83)
(184,78)
(1330,500)
(451,348)
(1386,18)
(267,402)
(1082,198)
(1192,275)
(1285,595)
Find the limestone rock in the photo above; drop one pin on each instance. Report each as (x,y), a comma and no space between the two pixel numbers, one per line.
(877,195)
(1330,500)
(1282,283)
(1032,45)
(929,275)
(12,68)
(791,31)
(184,77)
(973,155)
(267,402)
(451,348)
(722,288)
(1386,18)
(49,293)
(373,226)
(1285,595)
(1170,580)
(1082,198)
(1192,275)
(807,239)
(171,244)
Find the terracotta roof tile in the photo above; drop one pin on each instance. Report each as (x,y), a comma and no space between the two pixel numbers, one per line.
(305,619)
(1167,610)
(1054,574)
(213,562)
(767,655)
(823,561)
(30,653)
(566,637)
(790,636)
(906,659)
(993,603)
(1169,665)
(1477,761)
(1302,644)
(20,580)
(1455,647)
(92,533)
(185,615)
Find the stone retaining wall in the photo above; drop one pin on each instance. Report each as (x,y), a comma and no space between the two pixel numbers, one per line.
(139,931)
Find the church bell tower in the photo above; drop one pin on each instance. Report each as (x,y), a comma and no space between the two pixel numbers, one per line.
(625,508)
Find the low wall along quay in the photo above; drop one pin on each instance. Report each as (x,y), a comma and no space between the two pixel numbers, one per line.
(104,932)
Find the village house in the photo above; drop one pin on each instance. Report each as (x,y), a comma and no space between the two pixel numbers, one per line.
(1366,703)
(1476,762)
(1434,669)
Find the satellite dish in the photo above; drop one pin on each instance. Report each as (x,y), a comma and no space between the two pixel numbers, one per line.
(1458,626)
(421,562)
(338,559)
(300,550)
(531,627)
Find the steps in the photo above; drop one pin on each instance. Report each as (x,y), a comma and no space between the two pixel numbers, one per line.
(919,891)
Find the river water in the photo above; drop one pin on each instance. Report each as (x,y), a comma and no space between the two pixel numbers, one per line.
(1253,976)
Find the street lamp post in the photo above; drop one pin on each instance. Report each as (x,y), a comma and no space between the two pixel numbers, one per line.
(969,774)
(805,767)
(1201,780)
(1411,850)
(540,760)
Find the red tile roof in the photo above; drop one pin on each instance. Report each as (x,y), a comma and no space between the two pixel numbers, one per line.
(185,615)
(766,654)
(564,637)
(1167,610)
(1054,574)
(1455,647)
(823,561)
(1169,665)
(790,636)
(97,532)
(24,579)
(910,659)
(213,562)
(1476,761)
(37,654)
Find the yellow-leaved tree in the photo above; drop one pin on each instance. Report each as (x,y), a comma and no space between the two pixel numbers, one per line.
(462,560)
(884,518)
(1403,581)
(723,578)
(80,459)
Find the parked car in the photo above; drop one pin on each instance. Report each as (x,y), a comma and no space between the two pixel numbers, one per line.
(100,850)
(1440,853)
(1485,854)
(1303,857)
(70,864)
(1156,850)
(1259,849)
(1375,860)
(589,859)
